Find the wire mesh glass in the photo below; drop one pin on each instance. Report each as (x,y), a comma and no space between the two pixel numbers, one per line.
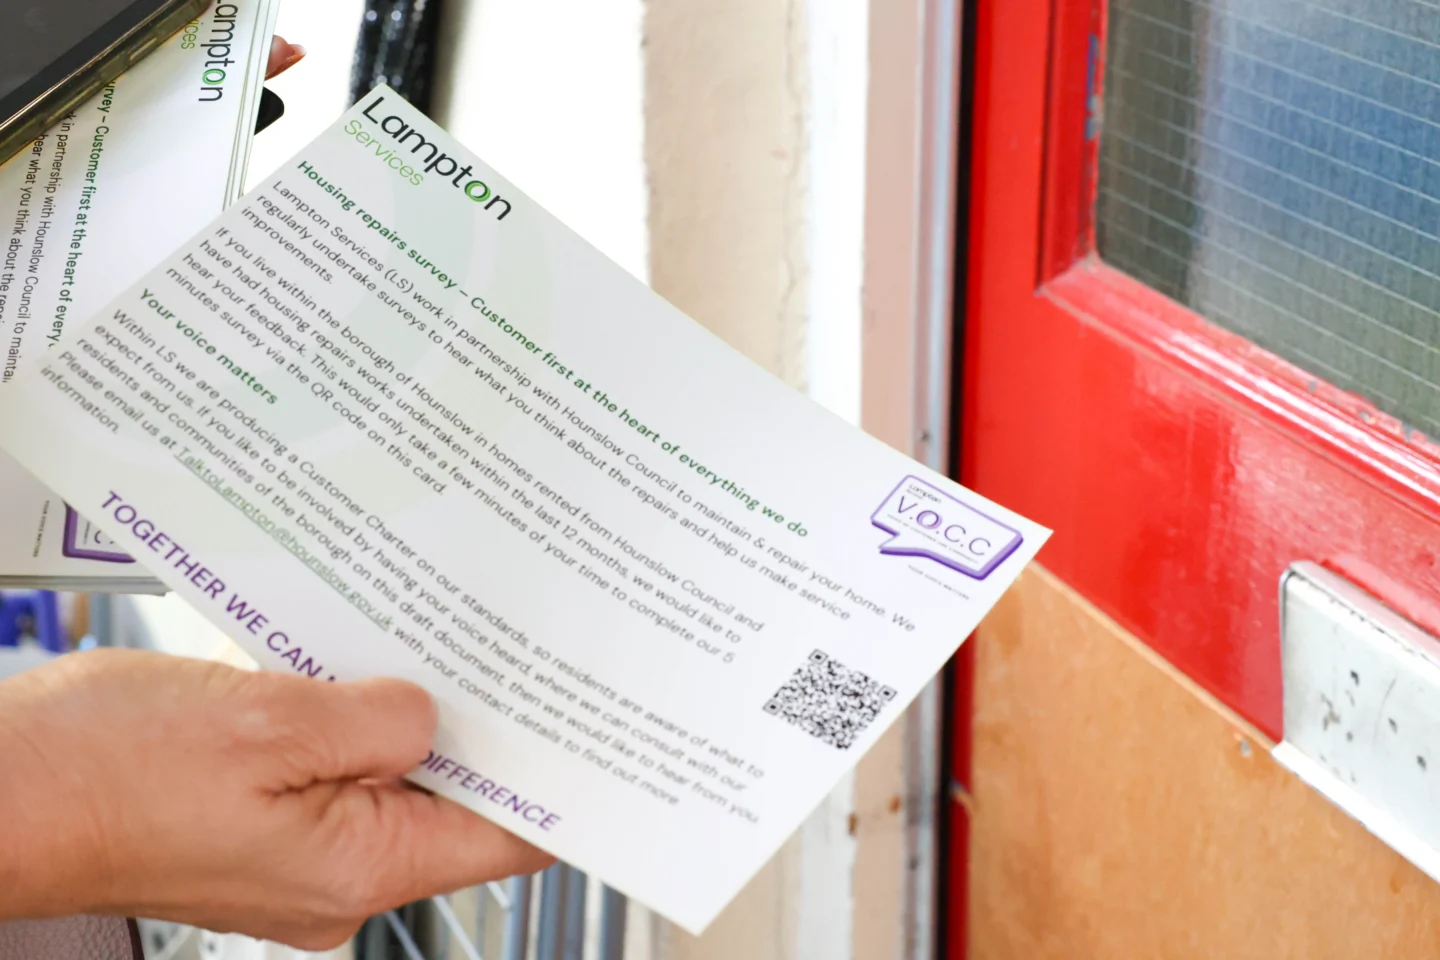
(1275,166)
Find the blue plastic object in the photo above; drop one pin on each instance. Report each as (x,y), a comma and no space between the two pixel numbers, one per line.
(42,609)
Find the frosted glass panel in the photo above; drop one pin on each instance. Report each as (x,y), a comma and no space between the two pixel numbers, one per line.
(1275,166)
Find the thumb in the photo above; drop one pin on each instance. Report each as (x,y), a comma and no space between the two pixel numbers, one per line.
(371,729)
(439,846)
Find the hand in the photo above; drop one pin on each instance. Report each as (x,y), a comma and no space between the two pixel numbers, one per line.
(139,784)
(283,56)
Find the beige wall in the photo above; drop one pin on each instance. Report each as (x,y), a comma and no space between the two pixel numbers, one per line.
(725,119)
(725,140)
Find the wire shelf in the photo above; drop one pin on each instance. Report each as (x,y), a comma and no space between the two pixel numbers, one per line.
(560,914)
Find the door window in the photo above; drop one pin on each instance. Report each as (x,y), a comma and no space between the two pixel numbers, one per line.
(1275,166)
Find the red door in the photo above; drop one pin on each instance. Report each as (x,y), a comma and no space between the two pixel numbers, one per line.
(1202,311)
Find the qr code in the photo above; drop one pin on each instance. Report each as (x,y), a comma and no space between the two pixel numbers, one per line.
(828,700)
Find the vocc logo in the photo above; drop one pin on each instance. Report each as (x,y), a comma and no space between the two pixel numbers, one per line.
(978,546)
(925,521)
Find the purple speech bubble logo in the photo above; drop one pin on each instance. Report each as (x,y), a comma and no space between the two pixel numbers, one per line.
(925,521)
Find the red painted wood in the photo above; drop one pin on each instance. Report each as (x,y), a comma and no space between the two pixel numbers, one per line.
(1337,423)
(962,686)
(1182,468)
(1072,114)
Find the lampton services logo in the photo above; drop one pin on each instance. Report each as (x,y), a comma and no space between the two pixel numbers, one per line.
(217,48)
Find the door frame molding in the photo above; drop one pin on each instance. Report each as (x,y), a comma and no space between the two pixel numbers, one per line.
(909,341)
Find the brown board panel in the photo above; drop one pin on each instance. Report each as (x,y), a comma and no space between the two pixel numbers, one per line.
(1120,812)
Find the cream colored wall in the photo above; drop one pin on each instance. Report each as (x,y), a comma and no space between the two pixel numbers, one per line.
(725,108)
(725,104)
(756,128)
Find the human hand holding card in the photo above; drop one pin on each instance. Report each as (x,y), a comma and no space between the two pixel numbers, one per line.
(386,416)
